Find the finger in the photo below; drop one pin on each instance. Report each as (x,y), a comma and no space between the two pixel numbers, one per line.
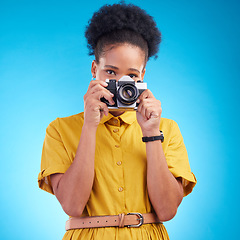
(147,109)
(103,108)
(95,82)
(98,87)
(151,113)
(150,108)
(104,94)
(142,103)
(146,94)
(139,109)
(97,92)
(96,105)
(142,108)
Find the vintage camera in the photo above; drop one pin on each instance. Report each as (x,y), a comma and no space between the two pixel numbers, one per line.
(126,92)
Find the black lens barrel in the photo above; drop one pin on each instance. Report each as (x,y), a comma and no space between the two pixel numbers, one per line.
(127,94)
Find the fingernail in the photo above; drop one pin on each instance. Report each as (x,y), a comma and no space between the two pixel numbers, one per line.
(138,101)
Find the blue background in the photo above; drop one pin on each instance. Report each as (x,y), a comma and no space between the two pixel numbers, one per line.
(45,71)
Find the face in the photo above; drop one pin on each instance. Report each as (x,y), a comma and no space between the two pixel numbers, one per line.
(118,61)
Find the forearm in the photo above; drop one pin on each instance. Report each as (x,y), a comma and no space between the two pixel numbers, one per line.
(73,188)
(76,183)
(165,192)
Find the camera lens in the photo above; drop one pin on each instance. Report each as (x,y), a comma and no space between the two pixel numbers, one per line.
(127,94)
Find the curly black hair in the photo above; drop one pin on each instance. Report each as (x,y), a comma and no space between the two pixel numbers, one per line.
(122,23)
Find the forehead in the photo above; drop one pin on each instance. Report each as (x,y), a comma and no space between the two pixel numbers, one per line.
(123,56)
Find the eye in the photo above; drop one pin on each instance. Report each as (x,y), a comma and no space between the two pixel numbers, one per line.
(132,75)
(111,72)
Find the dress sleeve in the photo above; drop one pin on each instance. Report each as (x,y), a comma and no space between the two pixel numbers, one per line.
(55,158)
(177,159)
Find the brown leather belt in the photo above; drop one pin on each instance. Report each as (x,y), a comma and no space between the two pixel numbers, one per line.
(121,220)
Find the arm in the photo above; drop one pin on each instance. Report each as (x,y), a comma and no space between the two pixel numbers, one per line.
(165,191)
(73,188)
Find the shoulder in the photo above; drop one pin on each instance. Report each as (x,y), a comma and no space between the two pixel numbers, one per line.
(67,122)
(170,129)
(167,123)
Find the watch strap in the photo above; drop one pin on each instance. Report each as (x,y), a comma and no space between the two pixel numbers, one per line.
(154,138)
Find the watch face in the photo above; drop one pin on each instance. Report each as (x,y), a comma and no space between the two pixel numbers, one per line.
(162,139)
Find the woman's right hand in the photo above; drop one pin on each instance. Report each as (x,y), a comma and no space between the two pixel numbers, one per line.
(93,107)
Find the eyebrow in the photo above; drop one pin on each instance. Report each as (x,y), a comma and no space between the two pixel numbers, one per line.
(113,67)
(134,69)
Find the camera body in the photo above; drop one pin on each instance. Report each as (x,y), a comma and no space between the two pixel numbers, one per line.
(126,92)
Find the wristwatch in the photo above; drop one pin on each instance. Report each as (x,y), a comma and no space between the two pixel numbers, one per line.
(154,138)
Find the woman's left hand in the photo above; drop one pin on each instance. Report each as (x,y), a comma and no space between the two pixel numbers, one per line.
(149,114)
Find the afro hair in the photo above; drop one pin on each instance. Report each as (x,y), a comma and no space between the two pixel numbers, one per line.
(121,23)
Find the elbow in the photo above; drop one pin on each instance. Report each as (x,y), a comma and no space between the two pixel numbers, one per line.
(69,205)
(71,210)
(167,210)
(165,215)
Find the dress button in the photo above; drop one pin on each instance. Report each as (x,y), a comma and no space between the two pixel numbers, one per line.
(116,130)
(119,163)
(117,146)
(115,121)
(120,189)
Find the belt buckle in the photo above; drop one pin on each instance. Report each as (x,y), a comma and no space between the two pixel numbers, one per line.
(140,219)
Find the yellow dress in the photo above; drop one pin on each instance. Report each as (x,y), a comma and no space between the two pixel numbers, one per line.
(120,170)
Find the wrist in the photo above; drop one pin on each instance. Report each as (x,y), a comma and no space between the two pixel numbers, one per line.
(150,133)
(89,128)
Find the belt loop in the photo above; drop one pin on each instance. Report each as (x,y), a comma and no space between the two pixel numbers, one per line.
(121,220)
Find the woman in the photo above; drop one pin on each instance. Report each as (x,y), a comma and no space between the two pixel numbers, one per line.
(97,163)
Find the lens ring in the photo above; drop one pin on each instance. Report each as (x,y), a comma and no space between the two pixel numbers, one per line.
(128,94)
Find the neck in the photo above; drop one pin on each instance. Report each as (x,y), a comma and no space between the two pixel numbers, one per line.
(116,113)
